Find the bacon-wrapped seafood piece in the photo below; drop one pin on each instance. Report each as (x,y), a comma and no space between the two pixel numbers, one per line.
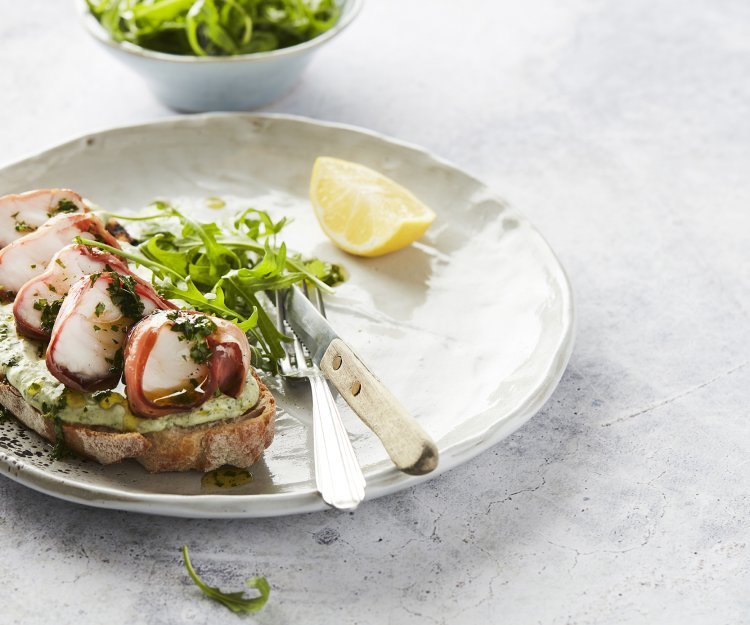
(177,360)
(29,256)
(38,301)
(85,351)
(25,212)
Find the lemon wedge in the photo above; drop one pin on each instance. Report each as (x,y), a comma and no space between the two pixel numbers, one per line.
(364,212)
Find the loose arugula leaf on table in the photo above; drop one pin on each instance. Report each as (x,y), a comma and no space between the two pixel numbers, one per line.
(215,27)
(235,601)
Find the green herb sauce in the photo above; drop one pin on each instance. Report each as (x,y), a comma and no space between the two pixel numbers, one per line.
(226,477)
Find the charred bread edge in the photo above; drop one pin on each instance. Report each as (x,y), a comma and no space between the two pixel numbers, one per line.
(238,441)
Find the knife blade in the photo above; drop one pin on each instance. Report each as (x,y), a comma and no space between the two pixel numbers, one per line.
(408,445)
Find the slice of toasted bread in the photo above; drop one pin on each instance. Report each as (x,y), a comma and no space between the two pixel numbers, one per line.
(238,441)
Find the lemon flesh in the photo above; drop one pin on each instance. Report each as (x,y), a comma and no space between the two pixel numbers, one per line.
(362,211)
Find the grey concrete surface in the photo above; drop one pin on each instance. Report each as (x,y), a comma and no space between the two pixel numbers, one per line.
(622,129)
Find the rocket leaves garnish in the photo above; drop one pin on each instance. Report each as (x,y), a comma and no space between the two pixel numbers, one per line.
(235,601)
(215,27)
(224,269)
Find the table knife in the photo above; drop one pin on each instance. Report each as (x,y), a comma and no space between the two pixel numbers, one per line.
(408,445)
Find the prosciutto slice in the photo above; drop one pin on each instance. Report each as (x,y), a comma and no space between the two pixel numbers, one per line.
(25,212)
(85,351)
(38,300)
(175,361)
(27,257)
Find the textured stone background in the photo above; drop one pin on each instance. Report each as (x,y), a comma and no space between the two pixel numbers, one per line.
(622,129)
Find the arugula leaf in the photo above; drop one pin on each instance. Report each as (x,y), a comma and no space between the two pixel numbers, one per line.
(209,34)
(219,257)
(190,294)
(161,10)
(265,331)
(329,273)
(294,263)
(235,601)
(159,270)
(161,248)
(258,224)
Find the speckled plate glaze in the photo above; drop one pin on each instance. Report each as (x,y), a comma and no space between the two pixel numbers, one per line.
(471,328)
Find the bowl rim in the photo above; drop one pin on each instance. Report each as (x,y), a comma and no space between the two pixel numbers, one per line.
(350,10)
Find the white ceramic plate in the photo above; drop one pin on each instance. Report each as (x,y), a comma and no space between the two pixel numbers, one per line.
(471,328)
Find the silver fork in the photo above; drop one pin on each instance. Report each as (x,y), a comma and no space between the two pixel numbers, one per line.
(338,476)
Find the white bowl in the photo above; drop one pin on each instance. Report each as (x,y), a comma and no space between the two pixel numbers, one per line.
(194,84)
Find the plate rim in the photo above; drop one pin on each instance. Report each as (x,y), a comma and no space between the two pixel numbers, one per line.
(381,482)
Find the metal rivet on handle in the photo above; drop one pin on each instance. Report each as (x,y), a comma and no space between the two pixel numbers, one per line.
(337,362)
(356,388)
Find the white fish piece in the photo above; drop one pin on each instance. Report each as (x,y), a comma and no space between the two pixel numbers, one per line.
(170,375)
(29,256)
(24,212)
(38,300)
(177,360)
(85,351)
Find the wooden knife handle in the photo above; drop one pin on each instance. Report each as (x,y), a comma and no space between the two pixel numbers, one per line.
(408,445)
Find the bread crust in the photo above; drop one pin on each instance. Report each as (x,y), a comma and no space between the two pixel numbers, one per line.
(238,441)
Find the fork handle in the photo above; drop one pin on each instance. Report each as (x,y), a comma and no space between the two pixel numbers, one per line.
(408,445)
(338,476)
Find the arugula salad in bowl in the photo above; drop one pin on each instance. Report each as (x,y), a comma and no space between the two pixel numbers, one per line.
(204,55)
